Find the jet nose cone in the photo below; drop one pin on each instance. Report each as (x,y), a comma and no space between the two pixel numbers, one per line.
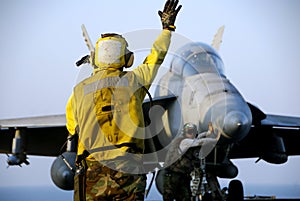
(236,125)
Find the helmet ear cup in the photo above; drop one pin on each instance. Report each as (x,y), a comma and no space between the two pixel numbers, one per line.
(129,58)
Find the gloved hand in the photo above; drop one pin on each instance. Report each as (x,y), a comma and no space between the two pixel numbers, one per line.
(169,14)
(206,133)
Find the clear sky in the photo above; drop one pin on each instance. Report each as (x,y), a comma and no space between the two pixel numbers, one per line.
(41,40)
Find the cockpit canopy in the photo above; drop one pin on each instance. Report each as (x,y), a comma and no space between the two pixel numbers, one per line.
(195,58)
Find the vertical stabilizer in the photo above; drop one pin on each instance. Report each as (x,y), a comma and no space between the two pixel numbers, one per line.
(218,38)
(87,59)
(87,39)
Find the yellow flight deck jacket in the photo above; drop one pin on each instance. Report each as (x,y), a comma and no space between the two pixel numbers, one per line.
(106,108)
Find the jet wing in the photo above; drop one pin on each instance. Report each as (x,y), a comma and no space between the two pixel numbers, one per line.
(281,121)
(264,134)
(44,135)
(162,101)
(41,121)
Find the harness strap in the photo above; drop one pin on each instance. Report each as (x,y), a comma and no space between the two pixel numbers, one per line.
(86,153)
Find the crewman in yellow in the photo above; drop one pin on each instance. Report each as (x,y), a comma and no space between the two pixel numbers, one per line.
(105,110)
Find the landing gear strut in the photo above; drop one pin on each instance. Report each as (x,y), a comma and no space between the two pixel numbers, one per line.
(205,186)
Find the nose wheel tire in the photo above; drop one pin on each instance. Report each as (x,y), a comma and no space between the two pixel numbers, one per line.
(235,191)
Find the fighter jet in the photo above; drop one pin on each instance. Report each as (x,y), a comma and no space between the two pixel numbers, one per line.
(195,89)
